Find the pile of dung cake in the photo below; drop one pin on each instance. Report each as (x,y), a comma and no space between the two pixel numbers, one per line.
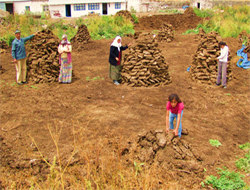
(204,65)
(144,64)
(126,14)
(43,58)
(166,33)
(244,38)
(200,35)
(156,146)
(82,37)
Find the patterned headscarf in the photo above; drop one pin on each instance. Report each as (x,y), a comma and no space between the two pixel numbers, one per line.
(116,44)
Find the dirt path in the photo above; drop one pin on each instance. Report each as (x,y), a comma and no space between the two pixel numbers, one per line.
(93,101)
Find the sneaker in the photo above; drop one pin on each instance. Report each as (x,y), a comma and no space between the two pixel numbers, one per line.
(218,84)
(24,82)
(224,87)
(117,83)
(20,83)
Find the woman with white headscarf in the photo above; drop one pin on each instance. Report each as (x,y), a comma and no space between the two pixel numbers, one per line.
(64,50)
(115,58)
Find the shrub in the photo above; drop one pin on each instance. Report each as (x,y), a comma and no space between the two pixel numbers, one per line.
(227,181)
(244,163)
(214,142)
(203,12)
(135,18)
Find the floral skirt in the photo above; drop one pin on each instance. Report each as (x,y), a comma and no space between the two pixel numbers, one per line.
(115,72)
(65,75)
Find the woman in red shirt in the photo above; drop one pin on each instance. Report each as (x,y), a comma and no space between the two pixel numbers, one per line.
(174,110)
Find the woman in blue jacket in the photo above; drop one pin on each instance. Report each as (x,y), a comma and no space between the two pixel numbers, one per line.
(115,58)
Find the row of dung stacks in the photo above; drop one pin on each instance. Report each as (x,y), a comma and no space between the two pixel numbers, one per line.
(144,65)
(82,37)
(166,33)
(43,58)
(201,34)
(204,65)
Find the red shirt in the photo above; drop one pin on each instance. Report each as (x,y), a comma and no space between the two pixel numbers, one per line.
(177,109)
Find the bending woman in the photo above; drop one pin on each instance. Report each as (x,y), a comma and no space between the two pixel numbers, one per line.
(64,50)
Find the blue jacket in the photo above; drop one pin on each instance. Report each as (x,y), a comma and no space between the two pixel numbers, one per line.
(18,48)
(115,53)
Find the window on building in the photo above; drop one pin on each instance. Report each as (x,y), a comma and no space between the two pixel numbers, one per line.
(93,6)
(117,5)
(27,8)
(79,7)
(45,8)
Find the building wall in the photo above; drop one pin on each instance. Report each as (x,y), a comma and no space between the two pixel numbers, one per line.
(37,6)
(59,10)
(208,4)
(135,4)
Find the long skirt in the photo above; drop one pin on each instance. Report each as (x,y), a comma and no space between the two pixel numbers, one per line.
(65,75)
(115,72)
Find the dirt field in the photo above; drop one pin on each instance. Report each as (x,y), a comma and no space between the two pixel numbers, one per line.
(94,103)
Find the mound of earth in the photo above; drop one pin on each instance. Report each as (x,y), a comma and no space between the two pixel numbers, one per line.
(189,11)
(165,151)
(43,58)
(204,65)
(82,37)
(126,14)
(145,65)
(166,33)
(180,22)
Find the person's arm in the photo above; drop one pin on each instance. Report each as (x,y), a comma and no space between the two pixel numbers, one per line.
(167,121)
(112,54)
(28,38)
(178,124)
(123,47)
(69,49)
(13,51)
(224,53)
(60,51)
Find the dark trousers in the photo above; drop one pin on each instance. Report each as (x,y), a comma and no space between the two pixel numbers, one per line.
(222,71)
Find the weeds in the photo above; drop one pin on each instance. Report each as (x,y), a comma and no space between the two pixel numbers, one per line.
(215,143)
(245,146)
(227,181)
(228,21)
(244,163)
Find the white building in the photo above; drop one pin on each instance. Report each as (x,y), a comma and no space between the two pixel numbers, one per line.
(20,6)
(77,8)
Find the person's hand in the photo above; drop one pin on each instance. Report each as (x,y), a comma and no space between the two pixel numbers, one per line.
(14,61)
(129,44)
(175,132)
(167,130)
(35,33)
(117,59)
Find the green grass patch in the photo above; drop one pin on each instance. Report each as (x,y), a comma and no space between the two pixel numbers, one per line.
(244,163)
(245,146)
(228,21)
(214,142)
(170,11)
(227,181)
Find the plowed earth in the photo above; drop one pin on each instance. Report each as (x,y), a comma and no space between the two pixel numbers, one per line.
(94,103)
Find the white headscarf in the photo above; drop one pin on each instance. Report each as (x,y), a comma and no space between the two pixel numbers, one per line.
(116,44)
(64,42)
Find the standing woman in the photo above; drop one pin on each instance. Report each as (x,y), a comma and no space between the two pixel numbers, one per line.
(115,58)
(222,65)
(64,50)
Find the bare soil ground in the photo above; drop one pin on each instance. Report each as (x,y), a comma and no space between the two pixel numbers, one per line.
(94,103)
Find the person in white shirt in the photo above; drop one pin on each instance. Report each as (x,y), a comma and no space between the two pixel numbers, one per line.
(222,64)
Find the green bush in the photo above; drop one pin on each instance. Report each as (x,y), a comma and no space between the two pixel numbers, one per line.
(204,12)
(227,181)
(245,146)
(108,27)
(136,20)
(244,163)
(227,21)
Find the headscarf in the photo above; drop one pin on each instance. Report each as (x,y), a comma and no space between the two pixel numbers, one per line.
(116,44)
(64,42)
